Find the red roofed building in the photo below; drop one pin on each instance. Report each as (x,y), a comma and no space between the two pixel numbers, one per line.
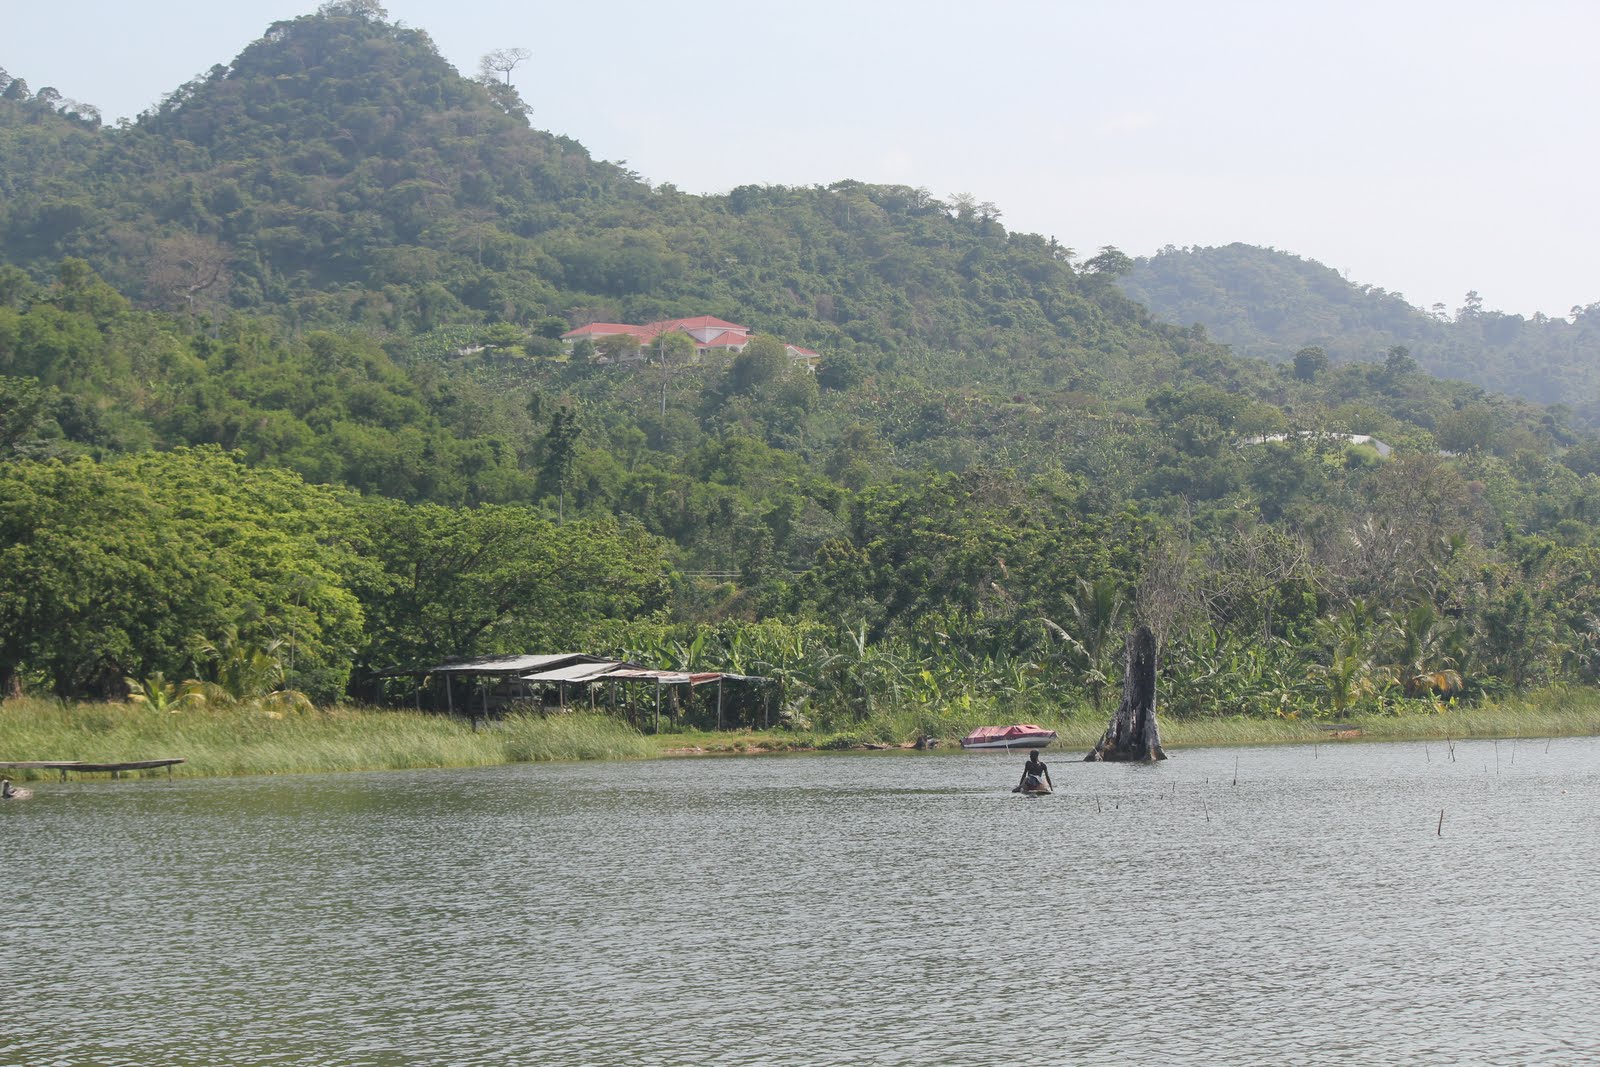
(606,329)
(727,340)
(702,328)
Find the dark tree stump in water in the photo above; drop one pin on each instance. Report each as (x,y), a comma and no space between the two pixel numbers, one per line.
(1133,736)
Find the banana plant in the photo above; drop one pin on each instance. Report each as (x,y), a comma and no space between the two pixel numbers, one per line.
(859,675)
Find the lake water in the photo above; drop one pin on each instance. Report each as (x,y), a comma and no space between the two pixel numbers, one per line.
(1230,906)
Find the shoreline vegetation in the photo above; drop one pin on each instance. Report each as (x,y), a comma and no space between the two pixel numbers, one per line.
(247,740)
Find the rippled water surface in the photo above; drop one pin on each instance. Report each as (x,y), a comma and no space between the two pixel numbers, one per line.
(1231,906)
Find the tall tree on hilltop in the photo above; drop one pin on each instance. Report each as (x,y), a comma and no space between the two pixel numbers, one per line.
(1111,262)
(361,9)
(503,61)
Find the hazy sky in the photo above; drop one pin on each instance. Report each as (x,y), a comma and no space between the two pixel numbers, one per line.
(1422,147)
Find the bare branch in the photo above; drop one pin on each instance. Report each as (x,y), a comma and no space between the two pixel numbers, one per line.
(504,61)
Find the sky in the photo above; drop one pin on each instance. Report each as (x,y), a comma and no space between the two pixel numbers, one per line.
(1425,148)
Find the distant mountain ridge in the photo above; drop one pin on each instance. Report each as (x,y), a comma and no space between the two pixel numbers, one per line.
(1270,304)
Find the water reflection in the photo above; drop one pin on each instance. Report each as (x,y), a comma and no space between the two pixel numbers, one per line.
(1271,906)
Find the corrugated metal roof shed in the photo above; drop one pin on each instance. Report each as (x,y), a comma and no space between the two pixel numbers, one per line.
(667,677)
(575,672)
(513,664)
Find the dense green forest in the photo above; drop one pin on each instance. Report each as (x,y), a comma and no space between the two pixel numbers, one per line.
(1270,304)
(284,404)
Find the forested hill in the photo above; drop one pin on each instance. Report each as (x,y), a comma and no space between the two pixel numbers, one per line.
(1271,304)
(338,150)
(340,172)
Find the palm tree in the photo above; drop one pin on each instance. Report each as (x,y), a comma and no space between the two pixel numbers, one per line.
(1096,615)
(157,692)
(242,673)
(1346,679)
(1420,666)
(1349,675)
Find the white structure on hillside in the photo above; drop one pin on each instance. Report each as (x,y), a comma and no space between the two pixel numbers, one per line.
(710,335)
(1348,438)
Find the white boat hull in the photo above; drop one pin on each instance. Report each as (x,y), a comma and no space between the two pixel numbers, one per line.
(1013,743)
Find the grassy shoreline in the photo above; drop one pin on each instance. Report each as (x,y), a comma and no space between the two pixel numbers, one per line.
(251,741)
(1541,715)
(226,742)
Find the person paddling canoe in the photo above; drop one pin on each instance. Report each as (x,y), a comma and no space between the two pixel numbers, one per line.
(1035,775)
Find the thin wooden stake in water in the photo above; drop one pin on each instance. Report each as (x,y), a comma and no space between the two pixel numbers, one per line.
(1440,831)
(1236,770)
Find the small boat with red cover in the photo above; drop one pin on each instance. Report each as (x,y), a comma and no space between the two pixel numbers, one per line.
(1017,735)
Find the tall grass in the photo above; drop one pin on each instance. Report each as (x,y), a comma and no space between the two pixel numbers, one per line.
(1556,712)
(575,736)
(1552,712)
(245,740)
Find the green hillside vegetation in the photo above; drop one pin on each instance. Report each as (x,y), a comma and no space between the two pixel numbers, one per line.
(284,405)
(338,172)
(1271,304)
